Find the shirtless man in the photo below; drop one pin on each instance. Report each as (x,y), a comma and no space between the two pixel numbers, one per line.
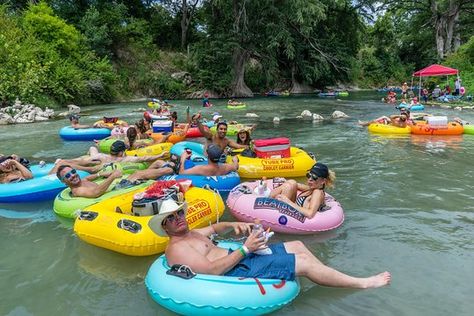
(220,138)
(85,187)
(289,259)
(213,168)
(74,119)
(117,154)
(11,170)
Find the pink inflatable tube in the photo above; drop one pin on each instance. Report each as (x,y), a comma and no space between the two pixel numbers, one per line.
(246,205)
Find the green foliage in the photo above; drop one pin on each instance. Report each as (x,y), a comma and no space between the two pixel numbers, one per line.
(463,60)
(43,60)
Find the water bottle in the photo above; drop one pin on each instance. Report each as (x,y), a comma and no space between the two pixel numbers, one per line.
(257,227)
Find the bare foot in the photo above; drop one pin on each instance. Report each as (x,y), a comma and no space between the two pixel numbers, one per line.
(378,280)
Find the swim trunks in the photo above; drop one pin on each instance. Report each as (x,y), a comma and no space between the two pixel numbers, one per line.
(279,265)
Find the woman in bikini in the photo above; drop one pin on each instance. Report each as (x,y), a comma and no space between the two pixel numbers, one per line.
(311,197)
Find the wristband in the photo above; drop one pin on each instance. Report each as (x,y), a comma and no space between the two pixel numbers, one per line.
(244,250)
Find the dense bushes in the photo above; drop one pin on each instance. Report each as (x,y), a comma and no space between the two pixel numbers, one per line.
(45,61)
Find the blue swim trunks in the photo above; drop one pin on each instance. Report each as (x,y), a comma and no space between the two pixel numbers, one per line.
(279,265)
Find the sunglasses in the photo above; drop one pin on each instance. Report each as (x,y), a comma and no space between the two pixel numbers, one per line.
(173,217)
(312,176)
(69,174)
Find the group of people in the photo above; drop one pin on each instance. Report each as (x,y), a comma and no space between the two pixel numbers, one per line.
(193,247)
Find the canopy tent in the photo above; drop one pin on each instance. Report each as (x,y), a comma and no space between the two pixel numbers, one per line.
(434,70)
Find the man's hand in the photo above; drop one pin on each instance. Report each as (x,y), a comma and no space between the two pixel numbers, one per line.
(241,228)
(255,241)
(116,174)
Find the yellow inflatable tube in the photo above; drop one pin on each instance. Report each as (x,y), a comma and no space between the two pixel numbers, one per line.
(151,150)
(296,166)
(101,225)
(101,123)
(388,129)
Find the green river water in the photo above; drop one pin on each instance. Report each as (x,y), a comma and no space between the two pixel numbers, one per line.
(408,201)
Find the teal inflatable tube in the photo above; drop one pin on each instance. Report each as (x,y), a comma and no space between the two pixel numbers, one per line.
(418,107)
(42,187)
(217,295)
(196,148)
(224,184)
(70,133)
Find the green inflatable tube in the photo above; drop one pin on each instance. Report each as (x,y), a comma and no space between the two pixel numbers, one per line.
(125,167)
(469,129)
(66,205)
(104,144)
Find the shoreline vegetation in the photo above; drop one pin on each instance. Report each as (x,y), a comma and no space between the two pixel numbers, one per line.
(91,52)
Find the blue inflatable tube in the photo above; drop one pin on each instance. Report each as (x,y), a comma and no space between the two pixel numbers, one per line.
(70,133)
(224,184)
(196,148)
(418,107)
(42,187)
(217,295)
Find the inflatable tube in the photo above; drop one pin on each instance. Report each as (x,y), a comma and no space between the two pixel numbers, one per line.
(111,125)
(42,187)
(66,205)
(193,132)
(104,144)
(388,129)
(217,295)
(342,94)
(296,165)
(468,129)
(418,107)
(151,150)
(452,128)
(327,94)
(125,167)
(102,226)
(223,183)
(462,90)
(246,205)
(196,148)
(70,133)
(237,106)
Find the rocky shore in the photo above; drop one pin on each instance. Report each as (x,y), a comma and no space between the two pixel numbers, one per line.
(24,113)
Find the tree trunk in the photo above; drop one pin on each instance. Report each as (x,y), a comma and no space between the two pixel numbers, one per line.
(452,19)
(238,87)
(184,24)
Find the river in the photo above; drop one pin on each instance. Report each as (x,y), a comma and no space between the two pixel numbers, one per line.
(408,201)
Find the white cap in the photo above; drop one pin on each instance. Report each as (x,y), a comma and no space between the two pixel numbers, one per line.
(216,117)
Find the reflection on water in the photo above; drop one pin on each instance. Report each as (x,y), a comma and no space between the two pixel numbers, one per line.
(408,204)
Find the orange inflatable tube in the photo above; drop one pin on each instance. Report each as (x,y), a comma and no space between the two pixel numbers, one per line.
(452,128)
(177,136)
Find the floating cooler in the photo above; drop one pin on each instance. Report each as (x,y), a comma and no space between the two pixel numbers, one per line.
(162,126)
(272,147)
(437,120)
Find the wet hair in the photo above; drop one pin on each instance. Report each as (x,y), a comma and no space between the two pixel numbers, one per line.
(221,123)
(174,115)
(132,136)
(61,168)
(247,138)
(140,125)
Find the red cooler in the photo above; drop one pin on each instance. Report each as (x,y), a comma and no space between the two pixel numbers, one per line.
(272,147)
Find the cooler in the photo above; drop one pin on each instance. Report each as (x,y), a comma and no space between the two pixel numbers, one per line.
(162,126)
(272,147)
(437,120)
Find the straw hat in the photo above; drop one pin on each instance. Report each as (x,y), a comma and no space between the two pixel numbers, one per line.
(168,206)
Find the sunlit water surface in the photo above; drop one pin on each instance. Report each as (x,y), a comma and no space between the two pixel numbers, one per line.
(408,202)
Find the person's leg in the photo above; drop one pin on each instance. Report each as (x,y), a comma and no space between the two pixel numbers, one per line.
(306,264)
(288,189)
(150,173)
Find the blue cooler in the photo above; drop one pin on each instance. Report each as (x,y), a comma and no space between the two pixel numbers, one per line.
(163,126)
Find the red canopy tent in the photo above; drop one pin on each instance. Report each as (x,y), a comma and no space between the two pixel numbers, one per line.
(434,70)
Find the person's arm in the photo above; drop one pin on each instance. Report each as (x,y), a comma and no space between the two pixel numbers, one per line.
(317,199)
(183,253)
(146,158)
(221,228)
(233,144)
(229,167)
(25,172)
(204,131)
(95,192)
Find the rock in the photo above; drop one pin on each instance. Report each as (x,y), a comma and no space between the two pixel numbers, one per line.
(183,76)
(317,117)
(276,119)
(73,109)
(139,110)
(200,94)
(306,113)
(251,115)
(445,106)
(31,116)
(40,118)
(301,88)
(23,120)
(458,108)
(299,117)
(339,114)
